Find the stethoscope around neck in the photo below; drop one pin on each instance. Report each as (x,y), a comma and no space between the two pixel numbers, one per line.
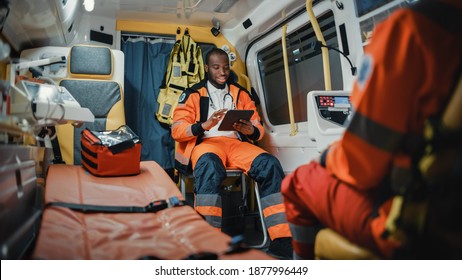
(228,101)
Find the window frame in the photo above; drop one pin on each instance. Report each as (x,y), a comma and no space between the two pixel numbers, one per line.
(294,23)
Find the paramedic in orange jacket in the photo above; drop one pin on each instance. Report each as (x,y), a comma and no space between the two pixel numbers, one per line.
(408,70)
(195,127)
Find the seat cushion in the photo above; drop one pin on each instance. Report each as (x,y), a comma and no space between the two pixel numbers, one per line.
(331,245)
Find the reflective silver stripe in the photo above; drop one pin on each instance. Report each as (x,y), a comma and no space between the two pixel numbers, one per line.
(208,200)
(304,234)
(270,200)
(175,124)
(214,221)
(374,133)
(182,159)
(189,131)
(276,219)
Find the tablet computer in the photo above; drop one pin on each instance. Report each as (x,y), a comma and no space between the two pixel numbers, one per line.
(233,116)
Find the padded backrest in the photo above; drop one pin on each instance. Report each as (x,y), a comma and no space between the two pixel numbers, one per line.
(91,82)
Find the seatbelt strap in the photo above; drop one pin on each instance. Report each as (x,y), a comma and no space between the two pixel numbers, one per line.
(152,207)
(51,130)
(58,158)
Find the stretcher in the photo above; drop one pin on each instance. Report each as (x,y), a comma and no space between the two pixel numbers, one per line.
(171,233)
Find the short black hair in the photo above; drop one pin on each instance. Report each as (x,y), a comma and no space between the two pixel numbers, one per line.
(216,51)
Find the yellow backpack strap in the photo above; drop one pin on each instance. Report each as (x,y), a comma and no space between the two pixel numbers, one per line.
(448,127)
(191,66)
(200,61)
(175,83)
(173,56)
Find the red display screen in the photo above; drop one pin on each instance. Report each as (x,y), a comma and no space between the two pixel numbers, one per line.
(326,101)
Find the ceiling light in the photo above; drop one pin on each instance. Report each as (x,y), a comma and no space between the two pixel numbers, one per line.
(89,5)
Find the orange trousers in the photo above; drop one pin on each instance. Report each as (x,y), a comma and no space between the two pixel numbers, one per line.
(232,152)
(313,198)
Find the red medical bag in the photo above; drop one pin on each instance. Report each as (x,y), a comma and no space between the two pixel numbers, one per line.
(111,152)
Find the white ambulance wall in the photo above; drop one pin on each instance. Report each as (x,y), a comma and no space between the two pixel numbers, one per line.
(99,24)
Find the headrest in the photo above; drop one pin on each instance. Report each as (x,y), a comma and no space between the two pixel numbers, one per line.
(90,62)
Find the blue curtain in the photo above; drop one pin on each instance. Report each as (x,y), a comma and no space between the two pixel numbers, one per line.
(145,65)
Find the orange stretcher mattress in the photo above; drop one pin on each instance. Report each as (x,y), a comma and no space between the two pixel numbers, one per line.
(172,233)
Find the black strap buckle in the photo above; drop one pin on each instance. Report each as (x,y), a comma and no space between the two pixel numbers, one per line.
(158,205)
(155,206)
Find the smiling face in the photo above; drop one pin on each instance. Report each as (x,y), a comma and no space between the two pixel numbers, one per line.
(217,68)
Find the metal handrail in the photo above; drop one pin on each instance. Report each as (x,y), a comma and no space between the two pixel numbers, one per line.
(293,128)
(319,37)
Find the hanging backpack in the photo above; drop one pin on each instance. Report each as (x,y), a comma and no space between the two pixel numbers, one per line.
(185,68)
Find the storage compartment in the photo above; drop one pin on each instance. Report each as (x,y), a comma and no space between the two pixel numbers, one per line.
(21,198)
(35,23)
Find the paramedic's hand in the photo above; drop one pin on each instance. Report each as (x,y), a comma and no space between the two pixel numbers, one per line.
(244,127)
(214,119)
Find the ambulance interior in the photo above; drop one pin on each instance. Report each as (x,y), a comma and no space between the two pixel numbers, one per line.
(299,69)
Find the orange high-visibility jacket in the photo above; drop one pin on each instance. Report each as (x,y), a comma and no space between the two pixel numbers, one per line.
(392,100)
(192,110)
